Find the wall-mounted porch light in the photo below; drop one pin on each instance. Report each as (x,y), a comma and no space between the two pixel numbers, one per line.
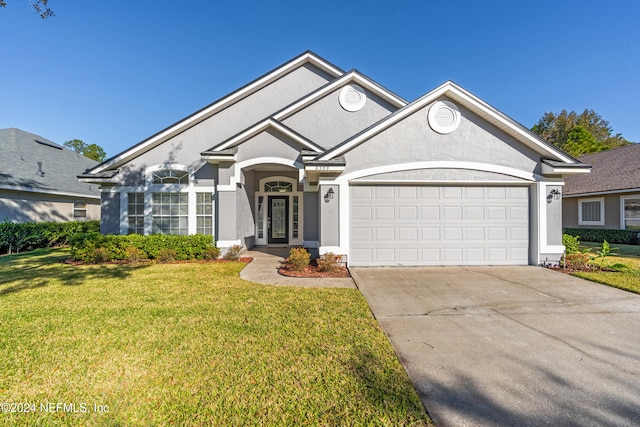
(329,196)
(553,195)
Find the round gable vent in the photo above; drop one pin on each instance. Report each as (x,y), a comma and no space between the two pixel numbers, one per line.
(352,98)
(444,117)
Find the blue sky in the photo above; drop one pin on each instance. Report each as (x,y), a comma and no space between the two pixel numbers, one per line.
(116,73)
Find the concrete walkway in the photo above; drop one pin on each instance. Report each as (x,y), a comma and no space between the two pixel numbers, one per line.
(264,269)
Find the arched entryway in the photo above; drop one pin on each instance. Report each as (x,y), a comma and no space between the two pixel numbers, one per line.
(278,213)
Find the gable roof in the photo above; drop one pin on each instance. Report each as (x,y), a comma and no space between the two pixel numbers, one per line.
(352,76)
(612,170)
(262,127)
(452,91)
(306,58)
(29,162)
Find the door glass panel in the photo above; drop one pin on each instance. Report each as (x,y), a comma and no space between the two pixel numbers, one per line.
(260,218)
(278,219)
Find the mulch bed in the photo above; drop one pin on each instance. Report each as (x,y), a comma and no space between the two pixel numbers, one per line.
(586,269)
(313,272)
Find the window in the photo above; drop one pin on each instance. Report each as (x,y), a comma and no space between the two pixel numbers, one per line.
(170,176)
(204,213)
(79,210)
(591,211)
(631,213)
(261,217)
(135,209)
(170,213)
(278,187)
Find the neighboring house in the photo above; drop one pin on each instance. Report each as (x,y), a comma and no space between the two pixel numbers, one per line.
(38,180)
(610,196)
(310,155)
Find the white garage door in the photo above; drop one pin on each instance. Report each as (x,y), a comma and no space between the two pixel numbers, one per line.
(428,225)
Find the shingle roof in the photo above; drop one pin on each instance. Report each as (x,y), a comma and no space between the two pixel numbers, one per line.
(617,169)
(34,163)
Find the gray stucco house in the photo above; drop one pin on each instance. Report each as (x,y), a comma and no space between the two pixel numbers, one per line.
(311,155)
(38,180)
(609,197)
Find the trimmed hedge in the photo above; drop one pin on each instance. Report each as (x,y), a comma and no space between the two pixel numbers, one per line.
(94,247)
(20,237)
(599,235)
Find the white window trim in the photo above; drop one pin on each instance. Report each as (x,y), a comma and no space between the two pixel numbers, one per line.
(294,182)
(149,188)
(623,218)
(592,199)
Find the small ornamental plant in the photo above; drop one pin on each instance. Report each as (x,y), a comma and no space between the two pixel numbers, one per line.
(211,253)
(234,253)
(329,262)
(299,259)
(167,255)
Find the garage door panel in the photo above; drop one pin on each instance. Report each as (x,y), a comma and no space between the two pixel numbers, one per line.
(362,213)
(385,234)
(362,234)
(385,213)
(430,225)
(429,213)
(408,212)
(496,213)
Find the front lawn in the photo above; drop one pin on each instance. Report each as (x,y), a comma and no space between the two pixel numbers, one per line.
(627,278)
(189,344)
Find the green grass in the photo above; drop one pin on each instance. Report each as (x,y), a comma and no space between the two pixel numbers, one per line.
(630,250)
(190,344)
(627,278)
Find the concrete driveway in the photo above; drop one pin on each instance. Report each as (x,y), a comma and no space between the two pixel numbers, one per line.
(511,346)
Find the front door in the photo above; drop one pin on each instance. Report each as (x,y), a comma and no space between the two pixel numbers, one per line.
(278,219)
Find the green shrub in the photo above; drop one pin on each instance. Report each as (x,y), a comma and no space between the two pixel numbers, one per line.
(133,254)
(100,255)
(211,253)
(599,235)
(167,255)
(33,235)
(571,243)
(329,262)
(150,247)
(298,260)
(234,252)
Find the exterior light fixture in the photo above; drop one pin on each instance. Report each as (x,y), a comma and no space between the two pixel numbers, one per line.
(554,194)
(329,196)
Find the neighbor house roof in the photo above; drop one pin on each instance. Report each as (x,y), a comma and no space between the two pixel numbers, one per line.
(31,163)
(612,170)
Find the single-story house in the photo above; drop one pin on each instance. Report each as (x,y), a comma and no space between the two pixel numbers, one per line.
(310,155)
(38,180)
(609,197)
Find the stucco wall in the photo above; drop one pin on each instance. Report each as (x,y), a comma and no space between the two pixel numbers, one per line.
(554,218)
(329,216)
(245,223)
(412,140)
(326,123)
(110,216)
(22,206)
(268,144)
